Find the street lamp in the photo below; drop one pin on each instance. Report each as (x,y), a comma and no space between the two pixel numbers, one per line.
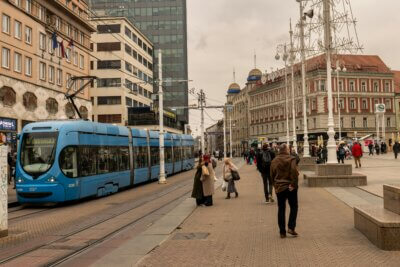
(339,69)
(292,58)
(282,49)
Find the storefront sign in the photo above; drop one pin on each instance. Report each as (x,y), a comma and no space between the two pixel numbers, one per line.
(8,124)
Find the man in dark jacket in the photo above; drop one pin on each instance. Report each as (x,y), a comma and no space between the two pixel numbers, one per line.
(396,149)
(285,175)
(264,159)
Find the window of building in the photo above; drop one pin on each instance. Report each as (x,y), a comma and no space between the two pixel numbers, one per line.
(341,122)
(81,61)
(109,28)
(387,87)
(42,71)
(5,58)
(128,67)
(17,62)
(109,46)
(108,64)
(352,104)
(28,6)
(5,25)
(363,86)
(28,66)
(28,35)
(322,85)
(352,85)
(109,100)
(42,41)
(68,54)
(388,122)
(388,104)
(109,118)
(353,122)
(364,104)
(7,96)
(29,101)
(376,86)
(59,77)
(51,74)
(68,80)
(42,13)
(128,101)
(341,85)
(52,106)
(82,38)
(75,34)
(17,3)
(128,32)
(341,103)
(365,122)
(17,29)
(76,58)
(109,82)
(68,30)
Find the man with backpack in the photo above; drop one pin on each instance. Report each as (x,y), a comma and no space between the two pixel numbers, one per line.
(341,153)
(264,159)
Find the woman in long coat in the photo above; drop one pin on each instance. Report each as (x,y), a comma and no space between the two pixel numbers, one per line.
(197,191)
(227,172)
(207,179)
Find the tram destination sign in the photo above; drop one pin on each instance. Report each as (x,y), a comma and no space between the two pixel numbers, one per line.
(8,124)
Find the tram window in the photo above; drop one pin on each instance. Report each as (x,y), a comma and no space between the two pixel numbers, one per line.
(102,160)
(69,162)
(191,152)
(123,159)
(87,161)
(168,154)
(140,157)
(155,155)
(113,158)
(177,154)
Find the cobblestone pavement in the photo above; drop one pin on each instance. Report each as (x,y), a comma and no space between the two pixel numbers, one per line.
(244,232)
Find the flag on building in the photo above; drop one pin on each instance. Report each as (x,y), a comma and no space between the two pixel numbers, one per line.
(71,44)
(62,49)
(54,40)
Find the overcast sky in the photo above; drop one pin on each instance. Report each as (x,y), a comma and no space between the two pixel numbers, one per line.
(223,34)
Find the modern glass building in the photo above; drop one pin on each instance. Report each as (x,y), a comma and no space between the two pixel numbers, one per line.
(164,22)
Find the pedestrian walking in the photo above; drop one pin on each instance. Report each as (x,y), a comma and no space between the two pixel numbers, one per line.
(228,170)
(324,154)
(357,152)
(207,179)
(371,149)
(264,159)
(10,164)
(377,148)
(197,191)
(341,153)
(284,175)
(251,156)
(396,149)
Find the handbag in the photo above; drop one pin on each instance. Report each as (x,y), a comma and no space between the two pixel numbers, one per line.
(235,175)
(204,171)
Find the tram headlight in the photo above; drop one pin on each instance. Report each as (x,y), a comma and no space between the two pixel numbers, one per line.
(51,180)
(19,180)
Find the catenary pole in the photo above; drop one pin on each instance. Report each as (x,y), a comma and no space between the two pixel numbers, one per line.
(292,58)
(161,178)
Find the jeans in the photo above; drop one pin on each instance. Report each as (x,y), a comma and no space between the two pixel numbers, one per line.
(267,181)
(340,159)
(291,196)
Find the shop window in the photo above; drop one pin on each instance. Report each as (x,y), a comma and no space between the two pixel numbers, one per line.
(29,101)
(7,96)
(52,106)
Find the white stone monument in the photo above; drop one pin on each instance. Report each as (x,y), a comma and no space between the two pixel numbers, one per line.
(3,192)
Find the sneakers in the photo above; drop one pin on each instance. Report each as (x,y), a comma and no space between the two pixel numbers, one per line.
(283,235)
(271,199)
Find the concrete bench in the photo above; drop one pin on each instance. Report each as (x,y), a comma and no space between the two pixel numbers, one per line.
(381,225)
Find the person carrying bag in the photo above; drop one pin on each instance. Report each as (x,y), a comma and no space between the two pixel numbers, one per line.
(230,175)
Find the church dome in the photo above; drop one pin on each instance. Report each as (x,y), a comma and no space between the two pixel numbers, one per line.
(254,75)
(234,88)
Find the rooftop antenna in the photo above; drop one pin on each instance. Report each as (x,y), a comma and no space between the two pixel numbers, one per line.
(234,75)
(255,59)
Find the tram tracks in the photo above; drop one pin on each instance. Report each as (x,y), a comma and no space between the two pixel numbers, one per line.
(178,191)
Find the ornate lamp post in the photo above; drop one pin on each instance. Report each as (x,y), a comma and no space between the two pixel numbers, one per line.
(339,69)
(282,50)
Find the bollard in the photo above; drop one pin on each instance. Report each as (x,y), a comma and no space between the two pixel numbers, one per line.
(3,192)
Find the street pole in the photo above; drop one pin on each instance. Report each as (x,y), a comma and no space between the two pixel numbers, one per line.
(287,102)
(224,120)
(230,136)
(161,179)
(327,36)
(202,99)
(377,127)
(338,99)
(292,58)
(306,151)
(383,128)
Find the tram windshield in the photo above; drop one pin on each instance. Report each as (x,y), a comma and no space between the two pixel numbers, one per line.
(38,152)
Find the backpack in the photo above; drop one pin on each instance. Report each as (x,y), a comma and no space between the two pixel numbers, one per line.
(266,158)
(342,152)
(214,163)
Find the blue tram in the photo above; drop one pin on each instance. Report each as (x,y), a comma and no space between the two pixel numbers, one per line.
(68,160)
